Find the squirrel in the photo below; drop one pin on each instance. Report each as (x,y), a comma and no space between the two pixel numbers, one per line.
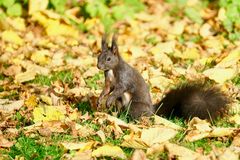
(125,86)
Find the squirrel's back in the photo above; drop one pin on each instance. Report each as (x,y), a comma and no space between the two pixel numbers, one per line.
(194,100)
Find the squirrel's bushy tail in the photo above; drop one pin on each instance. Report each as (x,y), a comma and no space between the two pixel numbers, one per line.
(194,100)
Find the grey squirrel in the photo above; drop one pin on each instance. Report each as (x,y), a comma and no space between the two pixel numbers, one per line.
(124,85)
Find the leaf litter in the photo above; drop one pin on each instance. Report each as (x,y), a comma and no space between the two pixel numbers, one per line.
(47,43)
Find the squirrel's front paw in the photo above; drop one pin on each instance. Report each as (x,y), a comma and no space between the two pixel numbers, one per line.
(99,102)
(110,101)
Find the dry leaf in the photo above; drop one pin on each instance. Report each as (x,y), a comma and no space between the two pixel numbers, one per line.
(12,37)
(166,47)
(235,119)
(138,155)
(157,135)
(178,27)
(31,101)
(101,134)
(134,142)
(5,143)
(162,121)
(205,30)
(37,5)
(25,76)
(220,75)
(137,52)
(191,53)
(78,146)
(47,113)
(181,152)
(231,59)
(156,149)
(10,106)
(110,151)
(41,57)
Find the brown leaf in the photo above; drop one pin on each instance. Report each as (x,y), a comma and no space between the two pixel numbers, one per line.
(11,105)
(139,155)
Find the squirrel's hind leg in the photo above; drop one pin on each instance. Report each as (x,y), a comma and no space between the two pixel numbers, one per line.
(138,109)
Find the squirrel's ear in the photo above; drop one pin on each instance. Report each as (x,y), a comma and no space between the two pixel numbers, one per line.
(104,42)
(114,46)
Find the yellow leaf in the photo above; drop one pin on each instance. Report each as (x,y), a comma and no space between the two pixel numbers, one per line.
(191,53)
(157,135)
(134,142)
(110,151)
(162,121)
(31,101)
(55,28)
(37,5)
(17,23)
(205,30)
(220,75)
(181,152)
(78,146)
(137,52)
(232,58)
(235,119)
(46,99)
(166,47)
(214,45)
(25,76)
(47,113)
(178,27)
(221,14)
(41,57)
(12,37)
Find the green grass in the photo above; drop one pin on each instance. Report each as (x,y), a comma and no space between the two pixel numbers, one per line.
(236,80)
(2,76)
(84,107)
(64,76)
(31,150)
(92,82)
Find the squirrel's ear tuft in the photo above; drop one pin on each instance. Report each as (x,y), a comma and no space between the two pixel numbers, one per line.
(114,46)
(104,42)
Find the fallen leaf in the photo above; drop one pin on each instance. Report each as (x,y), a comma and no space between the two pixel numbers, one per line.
(235,119)
(37,5)
(17,23)
(31,101)
(137,52)
(25,76)
(191,53)
(138,155)
(101,134)
(110,151)
(220,75)
(178,27)
(157,135)
(12,37)
(162,121)
(205,30)
(81,146)
(47,113)
(134,142)
(181,152)
(228,154)
(231,59)
(156,149)
(41,57)
(5,143)
(10,106)
(166,47)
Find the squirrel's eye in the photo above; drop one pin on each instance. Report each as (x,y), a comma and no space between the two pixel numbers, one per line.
(108,59)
